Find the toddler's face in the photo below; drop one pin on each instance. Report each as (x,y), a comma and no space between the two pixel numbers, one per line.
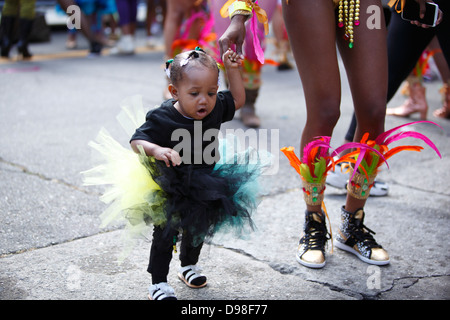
(196,92)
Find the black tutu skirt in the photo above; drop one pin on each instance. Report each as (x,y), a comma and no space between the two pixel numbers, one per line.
(144,192)
(203,200)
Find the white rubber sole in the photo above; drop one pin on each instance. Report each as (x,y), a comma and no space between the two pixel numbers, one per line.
(344,247)
(181,277)
(310,265)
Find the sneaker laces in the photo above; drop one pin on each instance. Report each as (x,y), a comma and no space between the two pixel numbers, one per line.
(316,234)
(363,233)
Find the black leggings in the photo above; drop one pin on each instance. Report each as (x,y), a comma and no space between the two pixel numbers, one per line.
(161,253)
(406,43)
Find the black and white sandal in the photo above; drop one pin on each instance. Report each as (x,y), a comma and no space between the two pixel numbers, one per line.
(161,291)
(192,277)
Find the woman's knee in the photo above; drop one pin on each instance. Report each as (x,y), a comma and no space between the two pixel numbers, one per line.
(326,113)
(372,118)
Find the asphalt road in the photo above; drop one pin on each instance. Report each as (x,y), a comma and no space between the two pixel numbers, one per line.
(51,245)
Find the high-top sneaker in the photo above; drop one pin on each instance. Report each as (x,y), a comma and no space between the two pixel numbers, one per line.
(356,238)
(311,249)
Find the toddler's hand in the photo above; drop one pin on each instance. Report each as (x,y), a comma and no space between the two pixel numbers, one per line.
(231,59)
(168,155)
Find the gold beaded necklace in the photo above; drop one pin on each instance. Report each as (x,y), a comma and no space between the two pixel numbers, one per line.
(348,16)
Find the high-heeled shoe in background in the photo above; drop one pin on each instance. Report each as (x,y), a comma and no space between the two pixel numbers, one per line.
(416,102)
(444,112)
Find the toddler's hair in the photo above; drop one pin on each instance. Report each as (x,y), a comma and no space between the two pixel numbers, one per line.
(184,61)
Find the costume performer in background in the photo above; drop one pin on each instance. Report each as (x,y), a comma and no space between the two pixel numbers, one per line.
(188,25)
(281,39)
(253,50)
(314,50)
(94,42)
(186,185)
(24,10)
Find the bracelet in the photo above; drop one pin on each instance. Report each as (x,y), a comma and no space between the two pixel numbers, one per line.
(234,7)
(246,8)
(239,7)
(242,13)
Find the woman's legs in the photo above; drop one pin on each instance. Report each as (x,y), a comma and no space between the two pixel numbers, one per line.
(368,81)
(314,50)
(367,72)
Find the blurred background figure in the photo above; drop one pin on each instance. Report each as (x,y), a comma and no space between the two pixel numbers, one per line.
(97,12)
(251,65)
(127,10)
(188,24)
(415,90)
(24,11)
(94,42)
(155,10)
(283,48)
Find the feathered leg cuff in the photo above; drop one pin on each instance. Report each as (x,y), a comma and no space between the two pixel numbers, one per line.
(359,186)
(313,193)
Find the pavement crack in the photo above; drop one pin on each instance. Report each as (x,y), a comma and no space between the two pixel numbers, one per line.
(54,243)
(25,170)
(240,251)
(348,292)
(414,281)
(282,268)
(378,295)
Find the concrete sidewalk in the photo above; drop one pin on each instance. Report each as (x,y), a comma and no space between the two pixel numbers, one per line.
(51,243)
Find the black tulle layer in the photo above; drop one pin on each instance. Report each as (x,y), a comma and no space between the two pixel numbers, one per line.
(203,200)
